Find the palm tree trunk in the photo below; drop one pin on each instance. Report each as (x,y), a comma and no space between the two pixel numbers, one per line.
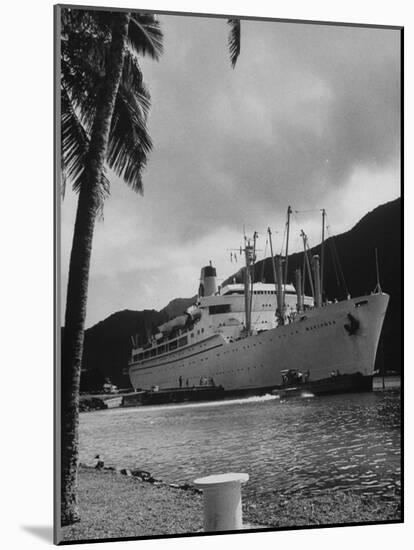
(77,292)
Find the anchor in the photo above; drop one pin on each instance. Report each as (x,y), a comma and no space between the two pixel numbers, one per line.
(353,325)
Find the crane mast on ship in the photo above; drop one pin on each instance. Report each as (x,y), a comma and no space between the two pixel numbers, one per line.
(280,273)
(322,250)
(250,256)
(289,212)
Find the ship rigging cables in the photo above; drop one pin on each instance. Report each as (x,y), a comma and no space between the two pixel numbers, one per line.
(307,263)
(303,239)
(334,263)
(283,240)
(335,259)
(264,260)
(255,236)
(308,211)
(301,222)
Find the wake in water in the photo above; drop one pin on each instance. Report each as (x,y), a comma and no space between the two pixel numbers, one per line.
(307,394)
(225,402)
(204,404)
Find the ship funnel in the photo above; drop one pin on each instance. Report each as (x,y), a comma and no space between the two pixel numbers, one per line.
(208,285)
(317,277)
(299,294)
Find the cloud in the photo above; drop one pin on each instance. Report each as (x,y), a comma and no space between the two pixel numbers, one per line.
(309,117)
(303,107)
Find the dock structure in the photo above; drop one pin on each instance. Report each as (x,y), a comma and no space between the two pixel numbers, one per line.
(173,395)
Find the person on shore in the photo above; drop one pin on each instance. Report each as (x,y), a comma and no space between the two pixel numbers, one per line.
(180,381)
(99,464)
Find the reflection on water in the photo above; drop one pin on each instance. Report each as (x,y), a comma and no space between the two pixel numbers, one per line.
(306,445)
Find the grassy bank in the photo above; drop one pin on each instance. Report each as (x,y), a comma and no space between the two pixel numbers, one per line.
(113,505)
(330,508)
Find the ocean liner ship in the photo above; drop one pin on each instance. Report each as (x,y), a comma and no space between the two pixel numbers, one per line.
(256,337)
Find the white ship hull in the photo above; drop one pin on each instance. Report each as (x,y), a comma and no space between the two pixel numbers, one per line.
(340,337)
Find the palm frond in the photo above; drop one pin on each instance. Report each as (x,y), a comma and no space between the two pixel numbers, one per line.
(85,45)
(75,145)
(131,70)
(145,35)
(129,141)
(132,80)
(86,22)
(83,70)
(234,40)
(74,140)
(82,94)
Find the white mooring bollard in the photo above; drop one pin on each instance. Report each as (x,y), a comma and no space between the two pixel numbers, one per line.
(222,501)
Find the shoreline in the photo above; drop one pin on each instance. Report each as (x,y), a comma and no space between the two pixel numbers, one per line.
(113,505)
(96,402)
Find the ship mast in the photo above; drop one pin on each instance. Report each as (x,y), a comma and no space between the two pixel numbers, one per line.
(249,255)
(322,250)
(280,294)
(273,258)
(317,277)
(277,277)
(305,247)
(289,212)
(304,275)
(255,235)
(299,293)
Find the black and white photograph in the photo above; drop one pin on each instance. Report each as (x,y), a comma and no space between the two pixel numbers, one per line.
(229,263)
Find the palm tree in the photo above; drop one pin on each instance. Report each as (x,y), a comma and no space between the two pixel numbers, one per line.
(104,112)
(104,106)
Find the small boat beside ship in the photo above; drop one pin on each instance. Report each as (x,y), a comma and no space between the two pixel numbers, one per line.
(295,384)
(251,338)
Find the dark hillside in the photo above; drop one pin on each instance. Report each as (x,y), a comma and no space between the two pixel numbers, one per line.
(108,344)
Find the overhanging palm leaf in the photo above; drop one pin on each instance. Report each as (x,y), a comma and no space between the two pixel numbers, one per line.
(234,40)
(82,72)
(75,145)
(74,140)
(129,142)
(145,35)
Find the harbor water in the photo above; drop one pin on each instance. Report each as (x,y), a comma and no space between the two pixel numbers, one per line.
(308,446)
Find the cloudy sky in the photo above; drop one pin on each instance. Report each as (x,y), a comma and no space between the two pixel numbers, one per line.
(309,117)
